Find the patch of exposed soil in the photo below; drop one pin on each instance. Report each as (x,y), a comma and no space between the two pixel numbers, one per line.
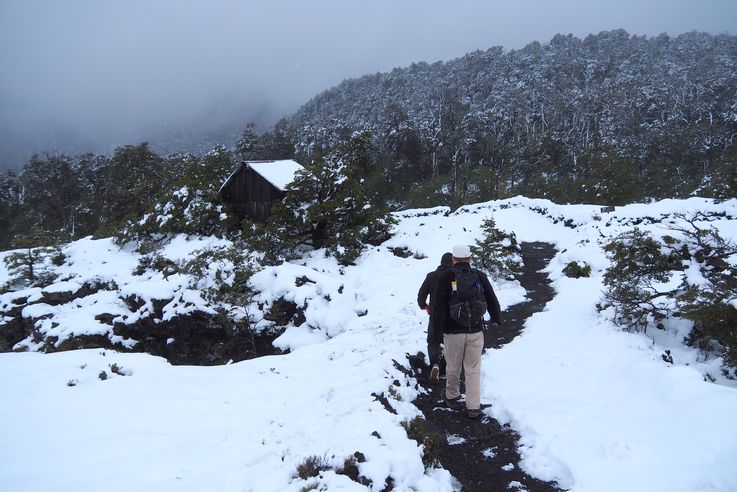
(482,454)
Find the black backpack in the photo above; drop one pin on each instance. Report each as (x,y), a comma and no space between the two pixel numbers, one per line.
(467,300)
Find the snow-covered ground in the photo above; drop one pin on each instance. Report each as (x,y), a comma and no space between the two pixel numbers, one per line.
(597,408)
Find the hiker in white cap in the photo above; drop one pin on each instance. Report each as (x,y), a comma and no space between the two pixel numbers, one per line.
(462,298)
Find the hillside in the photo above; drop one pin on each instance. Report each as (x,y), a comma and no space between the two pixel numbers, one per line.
(609,118)
(595,407)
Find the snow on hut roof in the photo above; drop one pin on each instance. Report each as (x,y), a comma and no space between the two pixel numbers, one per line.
(278,173)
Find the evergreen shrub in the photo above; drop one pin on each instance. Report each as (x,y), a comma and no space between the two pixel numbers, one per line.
(497,252)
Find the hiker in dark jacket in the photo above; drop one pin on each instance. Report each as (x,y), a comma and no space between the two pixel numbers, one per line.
(463,344)
(434,337)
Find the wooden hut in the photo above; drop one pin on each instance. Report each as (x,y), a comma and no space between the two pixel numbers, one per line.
(254,185)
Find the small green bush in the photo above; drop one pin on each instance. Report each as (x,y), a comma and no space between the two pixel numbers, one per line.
(116,369)
(577,270)
(156,262)
(58,258)
(430,441)
(497,252)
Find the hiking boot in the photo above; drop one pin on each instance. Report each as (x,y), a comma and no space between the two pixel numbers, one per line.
(453,403)
(474,413)
(434,374)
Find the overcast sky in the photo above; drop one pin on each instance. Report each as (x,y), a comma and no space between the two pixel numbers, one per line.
(106,72)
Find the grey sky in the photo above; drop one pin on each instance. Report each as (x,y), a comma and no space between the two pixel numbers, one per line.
(100,73)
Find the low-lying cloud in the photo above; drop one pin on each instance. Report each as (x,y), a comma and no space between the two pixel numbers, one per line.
(91,75)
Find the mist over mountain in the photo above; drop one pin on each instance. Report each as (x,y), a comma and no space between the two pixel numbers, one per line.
(218,124)
(91,76)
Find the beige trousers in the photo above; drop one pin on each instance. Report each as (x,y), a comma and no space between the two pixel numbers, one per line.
(464,350)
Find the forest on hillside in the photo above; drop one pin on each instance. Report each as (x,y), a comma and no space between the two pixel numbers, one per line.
(609,119)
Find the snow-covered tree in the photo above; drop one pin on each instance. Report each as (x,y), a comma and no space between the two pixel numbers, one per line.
(326,206)
(188,205)
(689,274)
(497,252)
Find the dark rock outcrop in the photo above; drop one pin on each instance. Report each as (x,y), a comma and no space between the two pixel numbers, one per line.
(197,338)
(11,333)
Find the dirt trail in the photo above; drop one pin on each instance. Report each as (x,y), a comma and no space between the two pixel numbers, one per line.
(482,454)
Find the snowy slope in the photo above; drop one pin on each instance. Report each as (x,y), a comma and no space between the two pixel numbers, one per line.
(597,408)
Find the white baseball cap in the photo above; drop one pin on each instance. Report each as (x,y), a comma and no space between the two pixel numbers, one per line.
(461,251)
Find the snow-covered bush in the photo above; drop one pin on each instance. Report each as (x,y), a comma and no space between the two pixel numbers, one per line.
(190,205)
(156,262)
(575,269)
(715,327)
(637,282)
(711,303)
(497,252)
(314,466)
(691,275)
(222,275)
(33,263)
(186,211)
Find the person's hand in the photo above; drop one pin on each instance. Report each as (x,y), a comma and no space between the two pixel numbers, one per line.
(427,309)
(494,323)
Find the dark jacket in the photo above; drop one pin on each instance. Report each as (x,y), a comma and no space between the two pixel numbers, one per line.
(428,287)
(440,309)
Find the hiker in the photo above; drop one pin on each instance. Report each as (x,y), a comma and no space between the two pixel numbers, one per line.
(463,296)
(434,336)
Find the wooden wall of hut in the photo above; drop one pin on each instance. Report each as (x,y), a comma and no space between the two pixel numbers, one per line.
(251,195)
